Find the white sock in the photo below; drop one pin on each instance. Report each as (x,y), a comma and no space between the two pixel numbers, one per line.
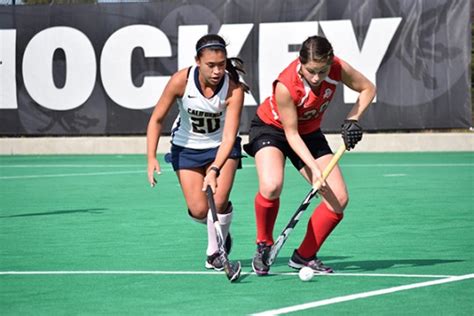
(225,221)
(211,236)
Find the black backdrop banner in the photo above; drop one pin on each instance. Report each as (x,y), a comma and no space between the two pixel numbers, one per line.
(99,69)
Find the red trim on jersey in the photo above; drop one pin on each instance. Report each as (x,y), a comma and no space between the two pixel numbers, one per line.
(310,106)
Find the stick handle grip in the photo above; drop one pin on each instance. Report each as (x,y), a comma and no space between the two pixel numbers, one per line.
(331,165)
(212,203)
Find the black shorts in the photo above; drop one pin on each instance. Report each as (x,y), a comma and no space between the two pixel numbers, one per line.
(264,135)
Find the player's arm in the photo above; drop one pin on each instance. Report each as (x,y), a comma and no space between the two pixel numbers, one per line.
(351,129)
(174,89)
(289,120)
(357,82)
(235,101)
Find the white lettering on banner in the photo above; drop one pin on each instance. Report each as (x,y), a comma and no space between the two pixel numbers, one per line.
(80,72)
(235,36)
(188,35)
(367,60)
(116,59)
(273,53)
(116,70)
(8,98)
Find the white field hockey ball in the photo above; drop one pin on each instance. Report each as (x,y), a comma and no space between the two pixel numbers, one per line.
(306,274)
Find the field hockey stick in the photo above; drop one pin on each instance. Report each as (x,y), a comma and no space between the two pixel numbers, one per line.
(303,206)
(232,269)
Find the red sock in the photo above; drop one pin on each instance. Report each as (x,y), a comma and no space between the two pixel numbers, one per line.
(320,225)
(265,214)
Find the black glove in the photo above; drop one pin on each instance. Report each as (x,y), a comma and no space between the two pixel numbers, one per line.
(351,133)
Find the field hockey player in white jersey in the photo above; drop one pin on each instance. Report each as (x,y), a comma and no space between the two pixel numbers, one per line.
(205,147)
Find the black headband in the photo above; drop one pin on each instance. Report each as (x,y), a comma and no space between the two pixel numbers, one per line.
(208,45)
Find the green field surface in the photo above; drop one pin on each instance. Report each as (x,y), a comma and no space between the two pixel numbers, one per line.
(87,235)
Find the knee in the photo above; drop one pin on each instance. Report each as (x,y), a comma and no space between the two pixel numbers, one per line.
(201,220)
(221,199)
(223,206)
(339,204)
(198,212)
(270,190)
(343,201)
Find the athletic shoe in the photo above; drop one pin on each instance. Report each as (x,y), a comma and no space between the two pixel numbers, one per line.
(214,261)
(298,262)
(260,259)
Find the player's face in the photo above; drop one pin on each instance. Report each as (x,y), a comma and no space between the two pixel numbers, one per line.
(314,72)
(212,65)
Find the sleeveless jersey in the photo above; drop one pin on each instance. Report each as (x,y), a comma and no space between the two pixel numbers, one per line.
(200,122)
(310,107)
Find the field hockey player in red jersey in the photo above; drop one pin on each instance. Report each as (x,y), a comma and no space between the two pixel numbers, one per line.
(205,149)
(287,124)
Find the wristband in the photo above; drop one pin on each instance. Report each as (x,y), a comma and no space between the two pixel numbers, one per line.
(216,169)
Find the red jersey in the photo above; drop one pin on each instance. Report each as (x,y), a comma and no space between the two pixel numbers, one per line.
(310,106)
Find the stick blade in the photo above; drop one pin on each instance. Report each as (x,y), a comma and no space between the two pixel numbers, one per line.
(232,270)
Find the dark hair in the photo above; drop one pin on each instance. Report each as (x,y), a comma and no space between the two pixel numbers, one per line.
(316,48)
(234,65)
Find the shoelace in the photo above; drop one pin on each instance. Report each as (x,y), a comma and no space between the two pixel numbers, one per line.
(318,263)
(262,252)
(213,257)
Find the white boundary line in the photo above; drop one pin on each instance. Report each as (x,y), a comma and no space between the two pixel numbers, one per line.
(61,175)
(245,165)
(151,272)
(166,168)
(409,165)
(352,297)
(73,166)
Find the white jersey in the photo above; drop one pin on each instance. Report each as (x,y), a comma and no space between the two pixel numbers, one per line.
(200,121)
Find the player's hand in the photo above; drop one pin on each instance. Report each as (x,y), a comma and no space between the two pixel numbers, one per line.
(351,133)
(317,178)
(153,166)
(210,180)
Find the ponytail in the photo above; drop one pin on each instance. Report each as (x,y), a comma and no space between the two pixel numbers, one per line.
(234,66)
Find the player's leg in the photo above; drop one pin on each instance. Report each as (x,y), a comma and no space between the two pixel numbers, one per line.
(329,212)
(335,193)
(270,163)
(268,145)
(326,216)
(221,197)
(224,184)
(191,184)
(224,206)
